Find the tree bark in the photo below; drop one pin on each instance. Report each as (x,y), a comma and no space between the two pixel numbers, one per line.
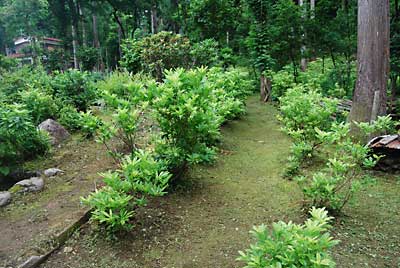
(265,88)
(74,46)
(96,43)
(83,26)
(303,61)
(154,22)
(372,61)
(74,15)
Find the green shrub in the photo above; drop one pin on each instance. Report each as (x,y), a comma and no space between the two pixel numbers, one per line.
(156,53)
(122,90)
(127,99)
(292,245)
(230,90)
(111,208)
(56,60)
(19,138)
(74,88)
(89,123)
(88,57)
(282,81)
(40,105)
(333,80)
(69,117)
(22,79)
(185,114)
(205,53)
(126,189)
(335,184)
(7,64)
(123,126)
(302,112)
(227,57)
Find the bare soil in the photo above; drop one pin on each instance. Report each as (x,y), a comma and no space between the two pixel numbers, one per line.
(29,224)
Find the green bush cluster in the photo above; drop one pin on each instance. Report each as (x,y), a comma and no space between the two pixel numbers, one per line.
(126,98)
(187,110)
(308,117)
(292,245)
(6,64)
(19,138)
(303,110)
(165,50)
(74,88)
(29,96)
(114,205)
(190,108)
(333,185)
(333,80)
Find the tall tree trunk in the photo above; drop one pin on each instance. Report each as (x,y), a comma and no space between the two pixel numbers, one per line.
(303,61)
(369,99)
(83,26)
(74,16)
(119,43)
(96,43)
(154,22)
(120,25)
(74,46)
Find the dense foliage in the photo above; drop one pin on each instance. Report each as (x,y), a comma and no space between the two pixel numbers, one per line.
(163,51)
(188,108)
(74,88)
(292,245)
(335,184)
(164,70)
(303,112)
(30,96)
(318,129)
(114,205)
(19,138)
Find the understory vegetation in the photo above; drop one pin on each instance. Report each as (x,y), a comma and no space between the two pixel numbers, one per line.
(292,245)
(188,109)
(311,117)
(154,84)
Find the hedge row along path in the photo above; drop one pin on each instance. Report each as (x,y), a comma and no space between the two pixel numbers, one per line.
(205,221)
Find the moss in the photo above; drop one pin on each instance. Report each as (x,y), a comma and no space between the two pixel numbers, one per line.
(15,189)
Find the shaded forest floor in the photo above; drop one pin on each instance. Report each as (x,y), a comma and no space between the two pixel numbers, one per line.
(206,220)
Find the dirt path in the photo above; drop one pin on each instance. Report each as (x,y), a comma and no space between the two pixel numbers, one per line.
(29,224)
(206,221)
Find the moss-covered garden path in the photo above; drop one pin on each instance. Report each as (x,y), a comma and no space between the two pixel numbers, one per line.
(204,223)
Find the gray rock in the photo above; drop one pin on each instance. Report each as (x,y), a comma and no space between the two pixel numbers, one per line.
(31,185)
(5,198)
(33,261)
(56,131)
(68,249)
(52,172)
